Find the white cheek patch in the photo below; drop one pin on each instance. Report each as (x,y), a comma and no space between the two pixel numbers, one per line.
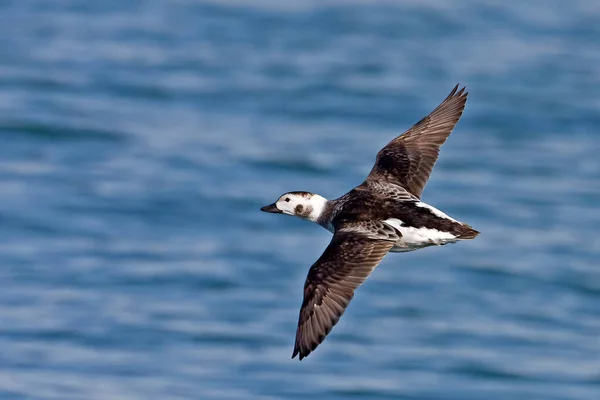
(317,203)
(309,208)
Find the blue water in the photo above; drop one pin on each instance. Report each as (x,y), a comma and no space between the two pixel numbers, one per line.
(140,138)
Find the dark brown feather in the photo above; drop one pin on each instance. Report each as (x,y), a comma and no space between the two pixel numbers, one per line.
(408,159)
(345,264)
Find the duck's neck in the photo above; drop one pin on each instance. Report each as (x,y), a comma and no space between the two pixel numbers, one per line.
(319,213)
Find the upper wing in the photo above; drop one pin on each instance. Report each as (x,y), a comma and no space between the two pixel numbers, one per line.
(408,159)
(348,260)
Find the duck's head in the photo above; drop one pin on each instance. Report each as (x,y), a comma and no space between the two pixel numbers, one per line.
(305,205)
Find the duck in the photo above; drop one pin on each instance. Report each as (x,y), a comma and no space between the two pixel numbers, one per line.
(381,215)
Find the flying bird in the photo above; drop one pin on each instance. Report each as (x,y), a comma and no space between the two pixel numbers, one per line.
(383,214)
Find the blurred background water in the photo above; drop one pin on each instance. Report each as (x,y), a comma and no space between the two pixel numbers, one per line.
(139,139)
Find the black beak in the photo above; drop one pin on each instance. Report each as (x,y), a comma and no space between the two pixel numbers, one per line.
(271,208)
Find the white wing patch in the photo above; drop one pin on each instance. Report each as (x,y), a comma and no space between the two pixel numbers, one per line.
(415,238)
(434,210)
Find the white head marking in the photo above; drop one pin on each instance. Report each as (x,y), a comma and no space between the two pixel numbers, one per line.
(305,205)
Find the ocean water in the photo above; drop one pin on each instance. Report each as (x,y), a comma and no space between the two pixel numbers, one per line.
(140,138)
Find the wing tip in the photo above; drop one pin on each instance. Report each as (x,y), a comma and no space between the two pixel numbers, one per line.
(299,353)
(458,93)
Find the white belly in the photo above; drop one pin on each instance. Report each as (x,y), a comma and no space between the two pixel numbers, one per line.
(417,238)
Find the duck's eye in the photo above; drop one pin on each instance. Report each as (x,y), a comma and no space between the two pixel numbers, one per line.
(287,199)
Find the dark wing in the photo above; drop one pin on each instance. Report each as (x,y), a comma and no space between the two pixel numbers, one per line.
(408,160)
(330,284)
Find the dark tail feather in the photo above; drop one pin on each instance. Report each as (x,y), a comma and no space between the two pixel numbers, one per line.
(467,232)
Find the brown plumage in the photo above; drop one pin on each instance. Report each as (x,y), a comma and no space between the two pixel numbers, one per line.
(408,159)
(330,284)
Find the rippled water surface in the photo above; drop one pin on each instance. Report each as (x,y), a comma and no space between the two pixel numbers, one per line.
(140,138)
